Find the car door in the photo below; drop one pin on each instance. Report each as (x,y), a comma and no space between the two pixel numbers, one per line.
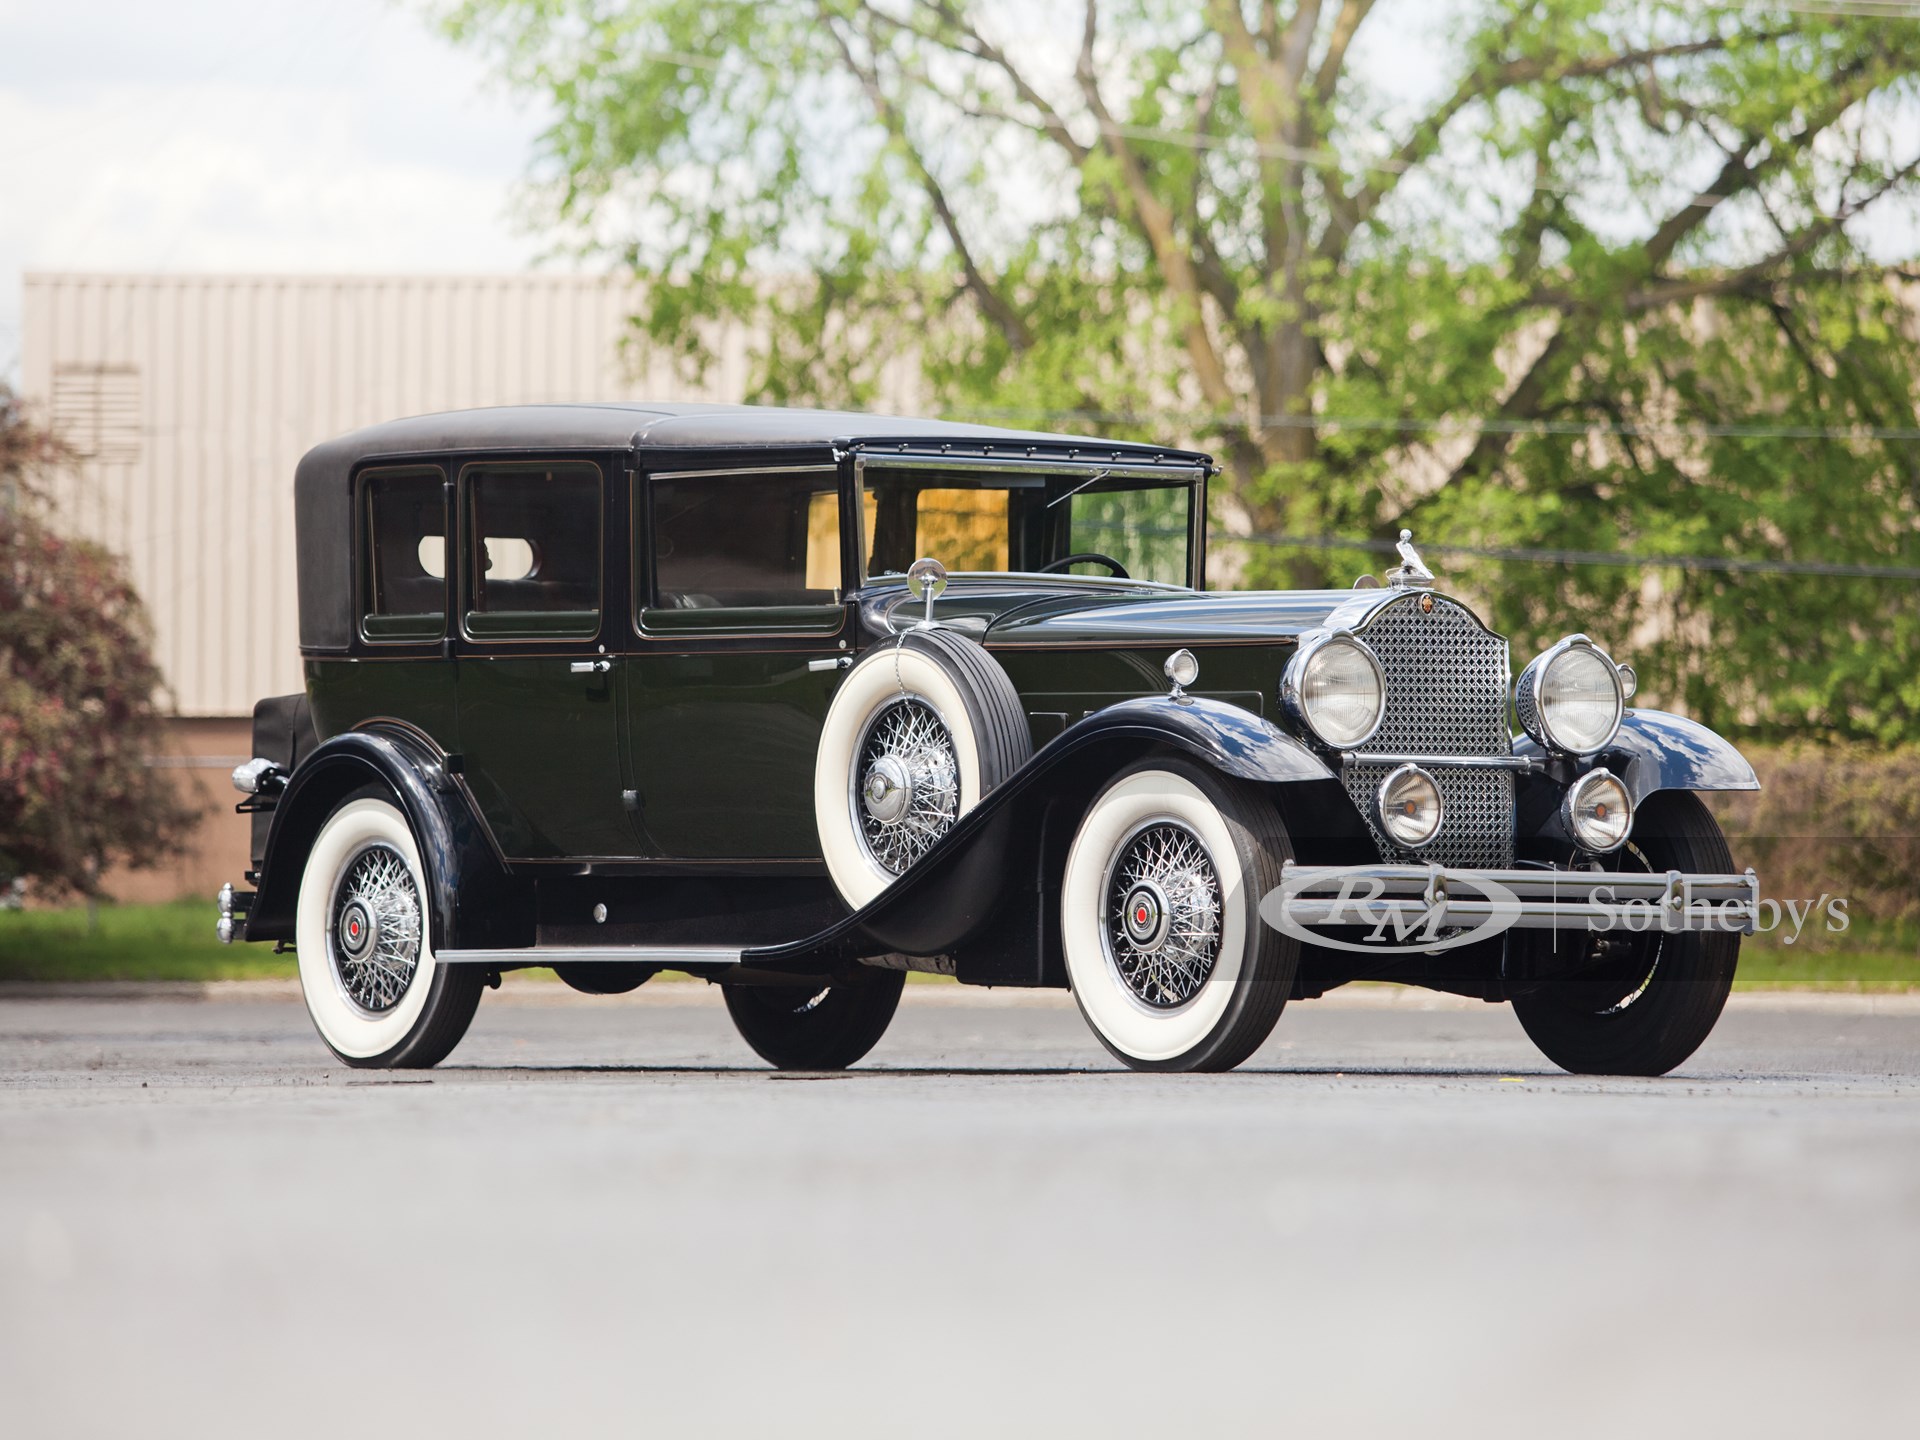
(539,688)
(741,622)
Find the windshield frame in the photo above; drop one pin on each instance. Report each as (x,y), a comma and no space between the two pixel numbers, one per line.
(1192,474)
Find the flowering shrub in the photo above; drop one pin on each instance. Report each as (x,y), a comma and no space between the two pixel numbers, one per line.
(80,694)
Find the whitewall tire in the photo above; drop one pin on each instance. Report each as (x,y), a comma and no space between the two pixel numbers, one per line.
(918,732)
(363,938)
(1168,958)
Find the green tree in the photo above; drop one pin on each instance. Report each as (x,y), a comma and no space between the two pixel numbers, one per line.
(79,707)
(1607,289)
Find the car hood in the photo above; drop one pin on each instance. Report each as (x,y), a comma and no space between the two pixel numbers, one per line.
(1028,611)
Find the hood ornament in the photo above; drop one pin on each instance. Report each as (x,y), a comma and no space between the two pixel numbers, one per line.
(1411,572)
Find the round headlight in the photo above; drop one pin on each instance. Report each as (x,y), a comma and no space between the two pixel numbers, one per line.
(1598,812)
(1572,697)
(1410,807)
(1336,686)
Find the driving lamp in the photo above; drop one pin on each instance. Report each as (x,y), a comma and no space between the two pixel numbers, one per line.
(1572,697)
(1410,807)
(1335,685)
(1598,812)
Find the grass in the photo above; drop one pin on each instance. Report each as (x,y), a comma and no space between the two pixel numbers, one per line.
(176,942)
(129,942)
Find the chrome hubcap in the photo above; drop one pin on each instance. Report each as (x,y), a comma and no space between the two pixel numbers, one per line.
(374,939)
(888,791)
(1163,914)
(906,783)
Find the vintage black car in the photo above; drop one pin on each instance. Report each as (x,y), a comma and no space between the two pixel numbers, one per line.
(799,701)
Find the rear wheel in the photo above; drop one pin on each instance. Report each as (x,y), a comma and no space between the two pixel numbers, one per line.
(1640,1003)
(1159,913)
(367,969)
(807,1027)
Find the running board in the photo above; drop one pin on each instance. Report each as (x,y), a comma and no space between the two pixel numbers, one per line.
(672,957)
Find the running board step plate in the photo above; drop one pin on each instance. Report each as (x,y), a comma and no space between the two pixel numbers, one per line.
(668,956)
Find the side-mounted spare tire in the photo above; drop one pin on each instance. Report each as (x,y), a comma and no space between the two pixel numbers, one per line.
(923,728)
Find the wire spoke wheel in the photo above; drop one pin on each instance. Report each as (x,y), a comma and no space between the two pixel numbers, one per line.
(1163,914)
(373,936)
(906,791)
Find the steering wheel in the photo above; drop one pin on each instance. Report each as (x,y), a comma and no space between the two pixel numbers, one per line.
(1085,556)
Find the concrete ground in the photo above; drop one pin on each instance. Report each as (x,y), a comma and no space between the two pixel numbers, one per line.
(605,1216)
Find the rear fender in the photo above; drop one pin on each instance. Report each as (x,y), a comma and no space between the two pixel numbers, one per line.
(470,897)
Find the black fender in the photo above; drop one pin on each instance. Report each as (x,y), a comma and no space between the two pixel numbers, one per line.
(982,892)
(1656,751)
(471,898)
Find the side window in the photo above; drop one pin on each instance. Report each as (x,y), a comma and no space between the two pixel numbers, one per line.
(729,541)
(533,550)
(403,556)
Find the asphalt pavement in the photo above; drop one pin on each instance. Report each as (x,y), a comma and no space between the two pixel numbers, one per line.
(605,1216)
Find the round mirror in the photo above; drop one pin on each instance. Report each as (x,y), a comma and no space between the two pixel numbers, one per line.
(926,578)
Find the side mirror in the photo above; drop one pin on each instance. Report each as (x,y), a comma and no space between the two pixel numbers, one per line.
(927,580)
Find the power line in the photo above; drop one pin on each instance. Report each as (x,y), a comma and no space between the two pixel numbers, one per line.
(1440,426)
(1612,558)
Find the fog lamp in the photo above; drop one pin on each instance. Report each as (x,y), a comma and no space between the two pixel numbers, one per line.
(1410,807)
(1598,812)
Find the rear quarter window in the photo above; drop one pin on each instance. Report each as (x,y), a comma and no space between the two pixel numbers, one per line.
(403,524)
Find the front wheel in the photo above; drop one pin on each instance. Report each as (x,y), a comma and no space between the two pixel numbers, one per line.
(367,969)
(1159,914)
(1641,1002)
(811,1027)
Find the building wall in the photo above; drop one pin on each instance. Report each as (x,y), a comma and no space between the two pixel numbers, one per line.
(189,399)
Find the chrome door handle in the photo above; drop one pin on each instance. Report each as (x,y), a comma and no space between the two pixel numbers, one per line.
(591,667)
(831,662)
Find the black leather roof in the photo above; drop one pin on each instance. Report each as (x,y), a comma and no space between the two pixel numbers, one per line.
(322,492)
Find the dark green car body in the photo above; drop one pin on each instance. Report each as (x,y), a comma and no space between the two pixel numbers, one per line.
(494,628)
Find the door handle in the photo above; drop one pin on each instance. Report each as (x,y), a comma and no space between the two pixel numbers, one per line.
(591,667)
(832,662)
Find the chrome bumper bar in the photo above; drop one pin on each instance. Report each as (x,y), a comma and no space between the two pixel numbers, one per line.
(1598,900)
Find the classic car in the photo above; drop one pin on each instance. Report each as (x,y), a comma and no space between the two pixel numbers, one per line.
(799,701)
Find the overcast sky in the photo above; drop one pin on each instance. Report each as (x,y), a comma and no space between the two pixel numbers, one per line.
(307,135)
(343,135)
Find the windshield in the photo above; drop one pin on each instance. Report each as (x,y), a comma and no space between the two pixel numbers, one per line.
(1000,520)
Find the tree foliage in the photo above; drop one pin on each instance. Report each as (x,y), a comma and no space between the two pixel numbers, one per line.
(1607,287)
(78,688)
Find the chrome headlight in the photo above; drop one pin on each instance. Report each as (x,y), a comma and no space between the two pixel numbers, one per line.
(1572,697)
(1335,686)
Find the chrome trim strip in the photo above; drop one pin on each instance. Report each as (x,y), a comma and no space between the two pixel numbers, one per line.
(1456,762)
(672,956)
(873,459)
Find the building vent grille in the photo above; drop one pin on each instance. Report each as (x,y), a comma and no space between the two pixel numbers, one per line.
(96,411)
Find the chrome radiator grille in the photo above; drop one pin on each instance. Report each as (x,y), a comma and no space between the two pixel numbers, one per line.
(1446,695)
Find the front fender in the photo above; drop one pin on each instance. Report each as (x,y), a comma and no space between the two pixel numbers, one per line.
(981,890)
(470,896)
(1657,751)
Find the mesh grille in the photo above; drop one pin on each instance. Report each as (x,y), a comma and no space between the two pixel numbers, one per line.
(1446,695)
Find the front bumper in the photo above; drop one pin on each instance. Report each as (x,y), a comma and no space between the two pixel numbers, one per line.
(1409,897)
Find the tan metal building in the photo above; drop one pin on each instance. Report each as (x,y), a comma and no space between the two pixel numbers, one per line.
(188,399)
